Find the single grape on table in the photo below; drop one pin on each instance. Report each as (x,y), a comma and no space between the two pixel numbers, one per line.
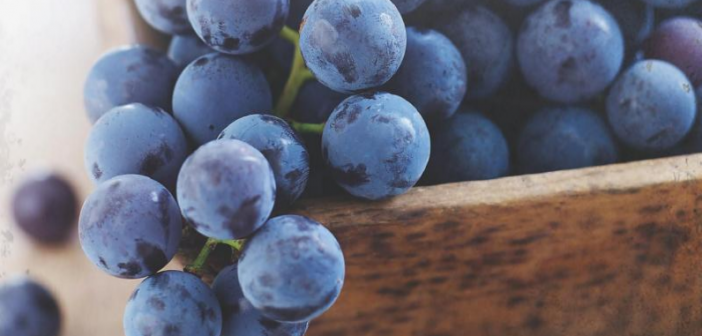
(28,309)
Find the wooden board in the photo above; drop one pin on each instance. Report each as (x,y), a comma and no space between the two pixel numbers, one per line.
(606,251)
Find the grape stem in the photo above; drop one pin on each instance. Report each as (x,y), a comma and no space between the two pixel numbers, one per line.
(307,128)
(299,74)
(196,267)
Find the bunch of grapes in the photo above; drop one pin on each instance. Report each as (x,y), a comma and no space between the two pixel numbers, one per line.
(257,104)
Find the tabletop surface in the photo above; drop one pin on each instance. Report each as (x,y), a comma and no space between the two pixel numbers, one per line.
(48,47)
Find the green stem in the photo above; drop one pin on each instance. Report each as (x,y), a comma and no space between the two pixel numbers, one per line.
(299,74)
(236,245)
(307,128)
(197,265)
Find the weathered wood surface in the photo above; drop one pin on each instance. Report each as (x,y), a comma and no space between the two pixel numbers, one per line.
(606,251)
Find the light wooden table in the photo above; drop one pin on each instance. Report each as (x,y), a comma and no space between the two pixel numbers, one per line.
(47,48)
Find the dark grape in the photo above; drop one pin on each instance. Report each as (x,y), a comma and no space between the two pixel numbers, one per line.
(353,45)
(432,76)
(226,189)
(238,26)
(565,138)
(28,309)
(377,145)
(315,103)
(216,90)
(467,147)
(130,226)
(570,50)
(486,44)
(134,74)
(167,16)
(652,106)
(173,303)
(45,206)
(677,41)
(292,270)
(281,146)
(136,139)
(184,49)
(240,317)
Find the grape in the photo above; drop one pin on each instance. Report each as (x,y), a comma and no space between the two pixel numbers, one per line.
(226,189)
(486,44)
(281,146)
(28,309)
(468,147)
(432,76)
(315,103)
(173,303)
(238,26)
(353,45)
(136,139)
(565,138)
(216,90)
(45,207)
(377,145)
(635,18)
(130,226)
(167,16)
(184,49)
(292,270)
(135,74)
(651,106)
(677,41)
(570,50)
(406,6)
(297,11)
(527,2)
(240,317)
(670,3)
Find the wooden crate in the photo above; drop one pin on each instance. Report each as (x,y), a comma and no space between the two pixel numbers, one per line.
(608,251)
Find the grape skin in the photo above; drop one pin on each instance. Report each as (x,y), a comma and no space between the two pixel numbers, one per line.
(652,106)
(130,226)
(283,149)
(172,303)
(432,76)
(226,189)
(240,317)
(28,309)
(184,49)
(45,206)
(214,91)
(570,50)
(167,16)
(238,26)
(670,3)
(565,138)
(377,145)
(486,44)
(134,74)
(636,19)
(467,147)
(136,139)
(336,46)
(292,270)
(677,41)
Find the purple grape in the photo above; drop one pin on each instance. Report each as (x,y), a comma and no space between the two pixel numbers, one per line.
(240,317)
(28,309)
(226,189)
(570,50)
(677,41)
(45,206)
(167,16)
(130,226)
(292,270)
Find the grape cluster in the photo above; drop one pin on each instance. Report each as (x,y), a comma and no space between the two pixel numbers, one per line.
(246,114)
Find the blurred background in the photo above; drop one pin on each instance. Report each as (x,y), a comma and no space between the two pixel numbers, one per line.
(47,48)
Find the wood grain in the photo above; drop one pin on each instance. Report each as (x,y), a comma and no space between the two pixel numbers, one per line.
(605,251)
